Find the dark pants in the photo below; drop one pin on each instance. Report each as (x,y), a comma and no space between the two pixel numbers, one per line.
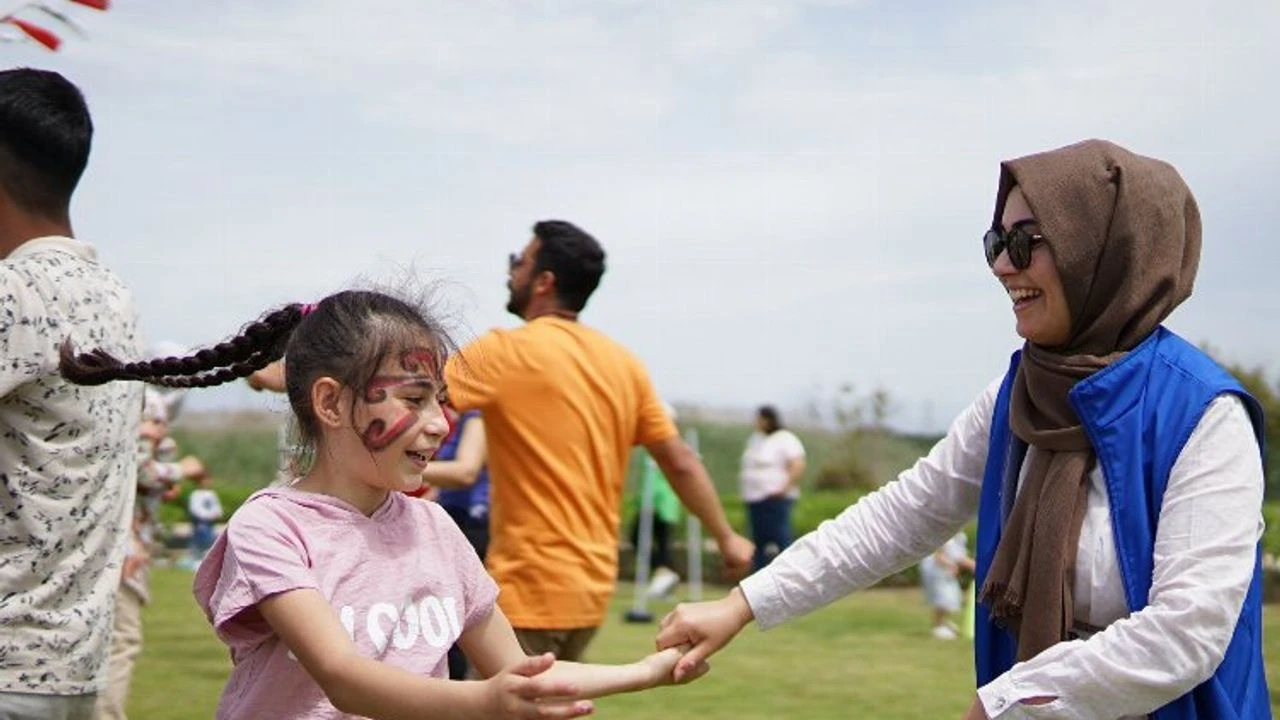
(201,538)
(476,531)
(770,524)
(660,549)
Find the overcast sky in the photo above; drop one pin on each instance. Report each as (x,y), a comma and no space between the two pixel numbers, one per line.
(791,194)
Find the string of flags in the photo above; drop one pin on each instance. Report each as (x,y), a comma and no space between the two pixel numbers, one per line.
(33,22)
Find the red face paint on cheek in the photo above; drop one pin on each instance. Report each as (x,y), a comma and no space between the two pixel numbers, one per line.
(424,366)
(377,436)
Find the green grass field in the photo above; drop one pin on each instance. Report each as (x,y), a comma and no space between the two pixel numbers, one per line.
(869,655)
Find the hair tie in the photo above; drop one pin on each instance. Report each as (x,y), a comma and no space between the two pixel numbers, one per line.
(307,309)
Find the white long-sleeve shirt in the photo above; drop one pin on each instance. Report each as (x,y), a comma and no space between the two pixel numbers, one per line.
(1205,550)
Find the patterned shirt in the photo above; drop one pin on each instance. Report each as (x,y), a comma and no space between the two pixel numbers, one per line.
(67,467)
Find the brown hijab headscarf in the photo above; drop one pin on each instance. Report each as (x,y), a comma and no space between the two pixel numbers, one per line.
(1125,235)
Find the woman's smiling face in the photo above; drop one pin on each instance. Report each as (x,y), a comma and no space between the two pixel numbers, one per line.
(1039,302)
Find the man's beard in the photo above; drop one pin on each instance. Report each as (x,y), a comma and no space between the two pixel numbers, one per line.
(518,301)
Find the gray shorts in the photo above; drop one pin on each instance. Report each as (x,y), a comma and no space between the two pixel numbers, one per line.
(29,706)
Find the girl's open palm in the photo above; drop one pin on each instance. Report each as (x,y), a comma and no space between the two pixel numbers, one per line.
(522,690)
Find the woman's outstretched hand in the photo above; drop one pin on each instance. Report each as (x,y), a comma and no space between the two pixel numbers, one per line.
(705,627)
(660,667)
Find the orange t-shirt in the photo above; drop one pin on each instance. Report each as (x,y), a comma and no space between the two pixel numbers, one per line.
(562,405)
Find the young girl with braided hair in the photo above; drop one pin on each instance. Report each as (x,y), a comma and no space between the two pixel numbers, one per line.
(337,594)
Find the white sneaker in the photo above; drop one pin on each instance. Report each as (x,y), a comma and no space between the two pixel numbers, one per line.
(942,632)
(663,582)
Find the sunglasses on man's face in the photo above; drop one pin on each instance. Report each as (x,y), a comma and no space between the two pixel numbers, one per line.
(515,260)
(1019,241)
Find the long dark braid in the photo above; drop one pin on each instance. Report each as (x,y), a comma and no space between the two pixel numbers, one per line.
(259,344)
(346,336)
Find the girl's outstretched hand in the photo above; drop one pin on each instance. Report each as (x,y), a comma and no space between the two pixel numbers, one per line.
(520,690)
(705,627)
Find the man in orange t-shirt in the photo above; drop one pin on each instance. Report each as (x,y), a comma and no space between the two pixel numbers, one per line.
(563,405)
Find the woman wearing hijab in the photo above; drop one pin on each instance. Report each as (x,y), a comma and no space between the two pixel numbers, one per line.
(1115,470)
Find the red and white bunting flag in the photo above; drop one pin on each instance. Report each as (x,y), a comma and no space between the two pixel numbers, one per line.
(95,4)
(37,33)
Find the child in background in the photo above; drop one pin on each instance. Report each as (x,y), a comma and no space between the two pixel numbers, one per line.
(338,595)
(940,576)
(205,509)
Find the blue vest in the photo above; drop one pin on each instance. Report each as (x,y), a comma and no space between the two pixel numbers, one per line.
(1138,413)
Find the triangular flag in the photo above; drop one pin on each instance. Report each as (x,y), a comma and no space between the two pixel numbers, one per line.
(95,4)
(37,33)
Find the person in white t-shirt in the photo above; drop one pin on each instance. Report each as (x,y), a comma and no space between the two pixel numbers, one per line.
(772,466)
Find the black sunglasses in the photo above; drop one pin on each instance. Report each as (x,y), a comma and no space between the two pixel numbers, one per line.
(515,260)
(1019,241)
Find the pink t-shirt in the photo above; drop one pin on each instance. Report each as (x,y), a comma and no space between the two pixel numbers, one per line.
(404,583)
